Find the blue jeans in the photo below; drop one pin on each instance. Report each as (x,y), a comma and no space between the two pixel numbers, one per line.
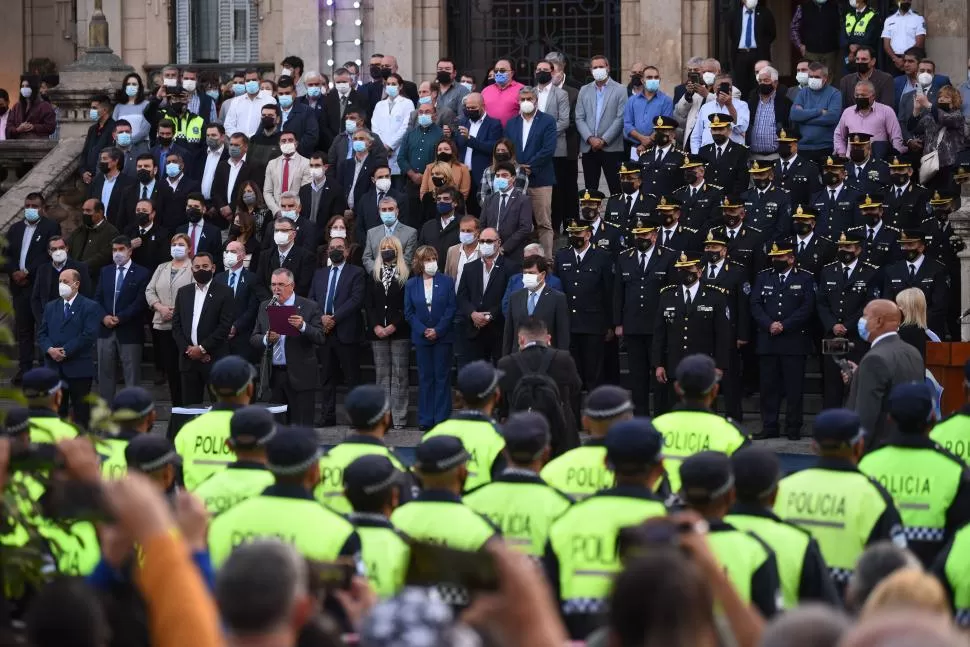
(434,382)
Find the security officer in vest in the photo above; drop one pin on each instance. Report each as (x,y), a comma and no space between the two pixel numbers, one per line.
(953,433)
(518,501)
(369,410)
(931,486)
(202,442)
(766,206)
(692,426)
(951,568)
(478,383)
(700,201)
(672,234)
(641,272)
(843,509)
(915,270)
(660,165)
(906,201)
(745,244)
(863,171)
(837,202)
(707,487)
(155,457)
(804,575)
(606,235)
(733,279)
(133,410)
(844,289)
(783,305)
(812,251)
(581,556)
(42,389)
(250,428)
(287,510)
(862,27)
(880,242)
(944,245)
(189,128)
(373,485)
(583,471)
(622,208)
(691,318)
(797,175)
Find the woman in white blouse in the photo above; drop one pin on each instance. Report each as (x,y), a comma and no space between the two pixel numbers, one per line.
(160,294)
(390,119)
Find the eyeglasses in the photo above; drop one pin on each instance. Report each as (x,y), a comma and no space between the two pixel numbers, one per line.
(488,240)
(279,285)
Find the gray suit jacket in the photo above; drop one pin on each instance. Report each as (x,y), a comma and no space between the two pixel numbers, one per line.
(557,107)
(516,224)
(301,357)
(611,118)
(888,363)
(409,241)
(550,308)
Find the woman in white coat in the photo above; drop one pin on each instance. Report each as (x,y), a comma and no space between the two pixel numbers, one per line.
(390,120)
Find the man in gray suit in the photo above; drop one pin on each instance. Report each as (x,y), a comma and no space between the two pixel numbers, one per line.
(390,226)
(509,211)
(890,361)
(599,119)
(536,300)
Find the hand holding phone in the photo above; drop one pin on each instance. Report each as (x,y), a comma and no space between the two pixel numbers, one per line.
(431,564)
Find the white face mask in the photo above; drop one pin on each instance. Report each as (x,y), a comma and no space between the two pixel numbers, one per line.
(338,233)
(316,174)
(750,4)
(65,291)
(229,259)
(815,84)
(286,72)
(431,267)
(189,86)
(59,256)
(383,184)
(342,88)
(170,83)
(600,73)
(709,78)
(925,79)
(802,78)
(530,281)
(281,238)
(527,107)
(119,258)
(487,249)
(466,237)
(288,148)
(178,252)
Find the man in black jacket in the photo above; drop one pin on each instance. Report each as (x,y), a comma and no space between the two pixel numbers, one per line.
(442,232)
(298,117)
(149,241)
(286,254)
(176,189)
(339,101)
(205,237)
(231,173)
(146,186)
(247,292)
(322,198)
(480,293)
(538,300)
(110,184)
(46,276)
(98,138)
(752,31)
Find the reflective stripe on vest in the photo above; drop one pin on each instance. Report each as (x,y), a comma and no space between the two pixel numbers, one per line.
(857,26)
(689,432)
(480,439)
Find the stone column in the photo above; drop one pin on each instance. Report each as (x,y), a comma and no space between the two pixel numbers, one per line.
(301,33)
(656,34)
(946,40)
(395,32)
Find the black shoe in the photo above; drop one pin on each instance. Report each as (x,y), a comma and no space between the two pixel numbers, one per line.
(764,435)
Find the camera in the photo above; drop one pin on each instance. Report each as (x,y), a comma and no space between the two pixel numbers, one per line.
(837,347)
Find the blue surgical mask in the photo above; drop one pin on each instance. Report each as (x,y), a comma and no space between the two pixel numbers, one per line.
(124,139)
(93,114)
(502,78)
(172,169)
(212,94)
(285,101)
(424,120)
(652,85)
(313,91)
(445,207)
(289,215)
(423,101)
(862,329)
(388,218)
(392,90)
(500,184)
(252,87)
(467,86)
(359,146)
(238,89)
(350,126)
(31,214)
(131,90)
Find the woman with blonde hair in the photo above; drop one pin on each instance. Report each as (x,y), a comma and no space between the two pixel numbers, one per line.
(160,295)
(908,589)
(913,330)
(387,328)
(942,129)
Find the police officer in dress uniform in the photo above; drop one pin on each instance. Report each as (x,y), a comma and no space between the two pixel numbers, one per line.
(155,457)
(621,208)
(931,486)
(587,279)
(812,251)
(906,201)
(733,279)
(287,508)
(133,410)
(202,442)
(844,289)
(803,572)
(373,486)
(842,508)
(518,501)
(750,563)
(42,388)
(606,235)
(797,175)
(766,206)
(866,173)
(727,161)
(916,270)
(700,201)
(641,272)
(944,245)
(672,234)
(580,557)
(691,318)
(660,165)
(880,242)
(583,471)
(745,244)
(837,202)
(250,429)
(782,304)
(692,426)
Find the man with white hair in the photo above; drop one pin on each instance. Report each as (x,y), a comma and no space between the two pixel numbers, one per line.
(769,109)
(697,92)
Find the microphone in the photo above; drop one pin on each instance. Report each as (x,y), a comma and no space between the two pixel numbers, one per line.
(275,301)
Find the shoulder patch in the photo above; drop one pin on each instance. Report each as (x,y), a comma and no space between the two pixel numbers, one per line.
(629,252)
(690,229)
(767,269)
(713,186)
(868,264)
(832,264)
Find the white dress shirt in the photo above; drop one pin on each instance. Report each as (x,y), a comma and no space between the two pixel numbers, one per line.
(200,293)
(244,114)
(543,95)
(212,158)
(473,128)
(526,128)
(692,290)
(462,259)
(234,168)
(29,230)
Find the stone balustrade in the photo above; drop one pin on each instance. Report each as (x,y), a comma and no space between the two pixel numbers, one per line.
(52,172)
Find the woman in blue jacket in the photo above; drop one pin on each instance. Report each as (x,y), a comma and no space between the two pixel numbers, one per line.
(429,307)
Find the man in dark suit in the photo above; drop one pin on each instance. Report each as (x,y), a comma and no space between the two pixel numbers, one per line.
(752,31)
(322,198)
(368,207)
(700,202)
(726,160)
(812,251)
(509,211)
(204,313)
(339,292)
(150,242)
(298,118)
(354,182)
(341,148)
(880,242)
(205,236)
(289,364)
(476,137)
(906,201)
(67,335)
(110,184)
(566,166)
(536,299)
(338,101)
(247,292)
(479,300)
(916,270)
(176,189)
(120,293)
(231,173)
(863,171)
(99,136)
(285,253)
(442,232)
(836,203)
(796,174)
(307,235)
(46,276)
(314,101)
(146,186)
(166,144)
(26,250)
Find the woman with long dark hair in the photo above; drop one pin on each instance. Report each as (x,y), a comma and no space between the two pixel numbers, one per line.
(130,105)
(31,117)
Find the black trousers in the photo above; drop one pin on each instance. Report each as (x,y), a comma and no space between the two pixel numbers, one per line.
(641,371)
(471,204)
(782,376)
(587,352)
(833,388)
(731,387)
(72,400)
(337,359)
(609,163)
(611,361)
(300,405)
(163,340)
(565,195)
(742,69)
(25,327)
(487,345)
(194,378)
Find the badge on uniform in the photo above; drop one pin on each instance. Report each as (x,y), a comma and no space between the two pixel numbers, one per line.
(746,287)
(874,175)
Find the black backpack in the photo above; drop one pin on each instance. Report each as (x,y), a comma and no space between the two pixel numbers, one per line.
(536,391)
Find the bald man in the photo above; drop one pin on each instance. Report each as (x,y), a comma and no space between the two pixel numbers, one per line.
(888,362)
(249,292)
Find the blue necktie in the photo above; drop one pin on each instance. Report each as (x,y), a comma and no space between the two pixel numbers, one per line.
(118,283)
(748,30)
(533,297)
(232,281)
(67,310)
(328,307)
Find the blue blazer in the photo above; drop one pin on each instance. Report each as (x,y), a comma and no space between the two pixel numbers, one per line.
(481,145)
(347,303)
(539,150)
(939,80)
(304,122)
(443,306)
(131,302)
(76,335)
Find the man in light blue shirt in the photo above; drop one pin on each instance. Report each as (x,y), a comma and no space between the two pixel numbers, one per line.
(726,103)
(642,108)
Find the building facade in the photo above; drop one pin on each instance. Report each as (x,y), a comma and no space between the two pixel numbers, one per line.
(325,33)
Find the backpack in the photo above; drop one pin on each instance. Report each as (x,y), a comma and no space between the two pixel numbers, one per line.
(536,391)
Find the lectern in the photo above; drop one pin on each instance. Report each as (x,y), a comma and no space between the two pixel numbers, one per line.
(945,360)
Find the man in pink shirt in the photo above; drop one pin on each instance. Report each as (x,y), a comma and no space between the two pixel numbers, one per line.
(869,116)
(502,97)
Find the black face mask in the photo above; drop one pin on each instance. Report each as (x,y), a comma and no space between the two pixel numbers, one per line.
(87,220)
(268,123)
(802,228)
(336,256)
(944,105)
(660,139)
(194,215)
(202,276)
(636,81)
(911,254)
(779,265)
(857,154)
(785,150)
(764,89)
(627,187)
(845,256)
(686,277)
(164,142)
(732,221)
(443,157)
(669,219)
(543,77)
(899,179)
(473,115)
(144,176)
(443,78)
(437,181)
(234,231)
(375,72)
(589,213)
(719,139)
(388,255)
(3,110)
(177,108)
(643,244)
(904,6)
(871,221)
(103,167)
(761,183)
(502,156)
(385,73)
(861,68)
(830,178)
(577,242)
(143,218)
(862,103)
(690,176)
(712,258)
